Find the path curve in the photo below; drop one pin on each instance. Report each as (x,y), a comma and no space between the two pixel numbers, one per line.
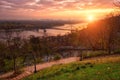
(30,69)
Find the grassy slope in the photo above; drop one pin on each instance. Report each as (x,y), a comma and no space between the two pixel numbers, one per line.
(102,69)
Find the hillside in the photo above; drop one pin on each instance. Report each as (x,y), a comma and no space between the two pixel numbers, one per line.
(100,68)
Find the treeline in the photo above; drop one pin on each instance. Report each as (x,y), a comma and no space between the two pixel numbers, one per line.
(16,52)
(103,34)
(38,24)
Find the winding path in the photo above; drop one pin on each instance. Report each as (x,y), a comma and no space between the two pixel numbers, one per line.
(30,69)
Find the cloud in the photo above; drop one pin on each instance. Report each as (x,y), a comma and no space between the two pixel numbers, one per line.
(66,4)
(51,5)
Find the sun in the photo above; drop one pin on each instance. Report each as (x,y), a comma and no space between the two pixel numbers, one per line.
(37,1)
(90,18)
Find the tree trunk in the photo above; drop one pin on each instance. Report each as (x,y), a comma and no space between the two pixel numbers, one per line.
(24,59)
(14,65)
(35,70)
(109,49)
(81,55)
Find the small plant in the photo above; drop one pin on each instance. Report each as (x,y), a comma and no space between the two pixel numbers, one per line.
(88,63)
(91,65)
(57,57)
(83,66)
(117,51)
(77,68)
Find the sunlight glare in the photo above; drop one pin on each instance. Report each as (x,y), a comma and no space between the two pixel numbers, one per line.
(37,1)
(90,18)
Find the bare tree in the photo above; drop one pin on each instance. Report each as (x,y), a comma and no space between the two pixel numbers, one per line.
(35,47)
(13,43)
(15,50)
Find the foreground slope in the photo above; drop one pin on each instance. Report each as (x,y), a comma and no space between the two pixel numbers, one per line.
(100,68)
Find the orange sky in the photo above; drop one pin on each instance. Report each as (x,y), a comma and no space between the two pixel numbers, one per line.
(55,9)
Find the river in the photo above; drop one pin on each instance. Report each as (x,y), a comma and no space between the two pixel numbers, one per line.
(56,30)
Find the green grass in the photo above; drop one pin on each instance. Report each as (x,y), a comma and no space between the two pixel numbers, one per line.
(80,71)
(89,54)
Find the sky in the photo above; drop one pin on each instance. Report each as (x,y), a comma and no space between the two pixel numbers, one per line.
(54,9)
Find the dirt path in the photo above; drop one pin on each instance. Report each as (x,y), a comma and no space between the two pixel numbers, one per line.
(30,69)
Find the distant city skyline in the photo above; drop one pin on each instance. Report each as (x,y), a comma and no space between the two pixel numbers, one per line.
(54,9)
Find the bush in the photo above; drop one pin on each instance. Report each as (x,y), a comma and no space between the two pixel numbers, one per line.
(39,60)
(57,57)
(8,65)
(117,51)
(90,54)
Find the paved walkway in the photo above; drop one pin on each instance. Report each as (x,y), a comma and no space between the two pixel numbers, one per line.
(30,69)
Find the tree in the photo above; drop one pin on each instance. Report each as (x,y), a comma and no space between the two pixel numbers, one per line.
(46,50)
(2,56)
(15,51)
(35,49)
(13,45)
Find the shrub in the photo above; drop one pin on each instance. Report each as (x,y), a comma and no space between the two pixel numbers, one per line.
(83,66)
(117,51)
(57,57)
(90,54)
